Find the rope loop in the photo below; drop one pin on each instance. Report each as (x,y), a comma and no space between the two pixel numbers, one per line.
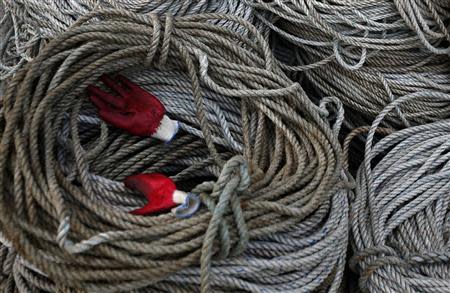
(156,45)
(224,198)
(168,28)
(233,181)
(156,36)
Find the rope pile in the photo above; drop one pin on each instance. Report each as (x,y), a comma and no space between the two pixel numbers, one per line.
(400,217)
(29,24)
(260,154)
(369,53)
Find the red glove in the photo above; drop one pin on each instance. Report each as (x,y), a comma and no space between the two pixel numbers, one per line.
(136,111)
(162,195)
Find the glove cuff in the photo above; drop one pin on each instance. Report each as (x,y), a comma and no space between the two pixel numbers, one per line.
(167,129)
(179,197)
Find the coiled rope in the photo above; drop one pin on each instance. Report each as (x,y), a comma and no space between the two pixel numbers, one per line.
(400,217)
(29,24)
(369,53)
(264,161)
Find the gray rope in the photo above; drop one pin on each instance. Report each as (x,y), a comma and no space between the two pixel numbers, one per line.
(400,216)
(368,53)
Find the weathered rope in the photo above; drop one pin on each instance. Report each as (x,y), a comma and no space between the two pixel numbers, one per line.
(27,25)
(260,154)
(369,53)
(400,216)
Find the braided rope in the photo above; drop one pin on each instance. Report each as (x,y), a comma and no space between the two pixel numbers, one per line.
(265,163)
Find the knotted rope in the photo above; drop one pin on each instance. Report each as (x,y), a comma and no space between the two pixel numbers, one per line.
(263,159)
(368,53)
(400,216)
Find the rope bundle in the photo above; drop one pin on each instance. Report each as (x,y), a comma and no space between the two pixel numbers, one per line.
(29,24)
(258,152)
(369,53)
(400,216)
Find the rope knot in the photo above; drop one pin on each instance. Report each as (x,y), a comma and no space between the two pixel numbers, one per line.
(372,259)
(235,168)
(156,39)
(338,116)
(233,180)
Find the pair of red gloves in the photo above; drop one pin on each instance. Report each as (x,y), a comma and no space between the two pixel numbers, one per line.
(140,113)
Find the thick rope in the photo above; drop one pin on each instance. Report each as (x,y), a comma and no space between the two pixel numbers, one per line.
(260,155)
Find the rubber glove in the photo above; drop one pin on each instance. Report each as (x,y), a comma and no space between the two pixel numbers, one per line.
(162,195)
(132,109)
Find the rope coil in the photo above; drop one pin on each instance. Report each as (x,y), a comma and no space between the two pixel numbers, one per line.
(251,143)
(400,213)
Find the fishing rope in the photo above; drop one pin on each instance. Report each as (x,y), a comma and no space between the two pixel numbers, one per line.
(369,53)
(400,216)
(263,158)
(29,24)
